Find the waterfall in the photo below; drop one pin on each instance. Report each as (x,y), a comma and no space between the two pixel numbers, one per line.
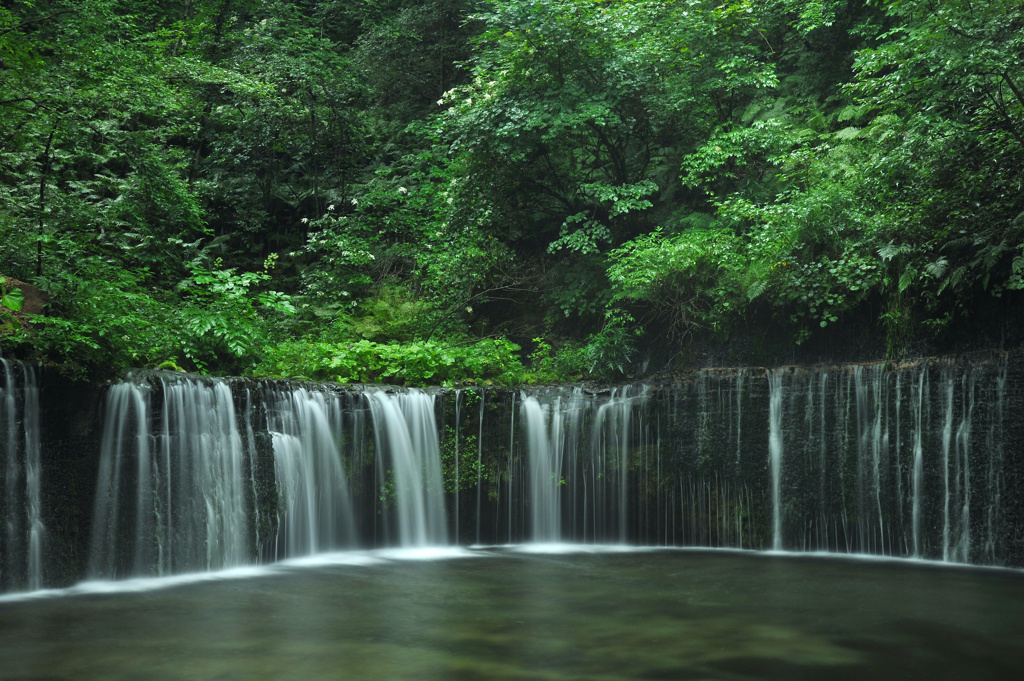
(315,508)
(872,441)
(822,511)
(171,493)
(741,376)
(947,437)
(407,436)
(196,473)
(775,453)
(995,443)
(609,453)
(550,442)
(918,402)
(456,478)
(19,437)
(545,452)
(511,465)
(479,467)
(962,550)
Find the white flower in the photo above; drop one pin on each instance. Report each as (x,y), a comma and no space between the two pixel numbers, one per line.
(354,202)
(371,257)
(330,207)
(304,220)
(403,191)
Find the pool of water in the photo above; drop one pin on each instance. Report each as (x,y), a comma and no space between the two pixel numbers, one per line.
(511,614)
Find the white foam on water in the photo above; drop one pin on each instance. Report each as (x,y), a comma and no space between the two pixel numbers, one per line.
(426,553)
(141,584)
(349,558)
(897,560)
(850,557)
(379,556)
(562,548)
(363,558)
(373,557)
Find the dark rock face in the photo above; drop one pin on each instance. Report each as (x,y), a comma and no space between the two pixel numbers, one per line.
(71,420)
(62,425)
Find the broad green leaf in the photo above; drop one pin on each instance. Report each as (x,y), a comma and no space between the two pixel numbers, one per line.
(13,299)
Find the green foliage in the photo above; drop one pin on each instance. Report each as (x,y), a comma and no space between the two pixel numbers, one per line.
(567,363)
(392,315)
(569,126)
(222,314)
(421,363)
(426,176)
(608,353)
(401,240)
(470,468)
(111,320)
(577,289)
(13,299)
(693,279)
(217,322)
(10,302)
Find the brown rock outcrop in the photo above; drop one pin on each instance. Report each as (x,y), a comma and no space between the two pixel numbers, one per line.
(35,299)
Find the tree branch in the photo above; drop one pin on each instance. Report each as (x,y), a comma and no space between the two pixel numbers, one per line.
(452,310)
(9,102)
(1013,86)
(29,22)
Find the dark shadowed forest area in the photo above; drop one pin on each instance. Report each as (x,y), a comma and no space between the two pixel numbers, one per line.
(506,191)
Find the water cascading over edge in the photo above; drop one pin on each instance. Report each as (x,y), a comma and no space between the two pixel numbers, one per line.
(408,449)
(549,439)
(24,532)
(315,511)
(919,460)
(171,494)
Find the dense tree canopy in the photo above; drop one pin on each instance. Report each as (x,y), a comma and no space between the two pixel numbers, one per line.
(503,190)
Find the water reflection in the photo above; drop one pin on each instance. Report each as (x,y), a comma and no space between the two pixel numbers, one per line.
(509,615)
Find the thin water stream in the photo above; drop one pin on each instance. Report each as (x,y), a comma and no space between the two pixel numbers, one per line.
(21,557)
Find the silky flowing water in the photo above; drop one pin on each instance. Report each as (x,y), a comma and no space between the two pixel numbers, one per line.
(511,614)
(236,529)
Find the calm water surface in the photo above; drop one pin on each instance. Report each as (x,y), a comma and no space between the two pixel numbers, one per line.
(505,615)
